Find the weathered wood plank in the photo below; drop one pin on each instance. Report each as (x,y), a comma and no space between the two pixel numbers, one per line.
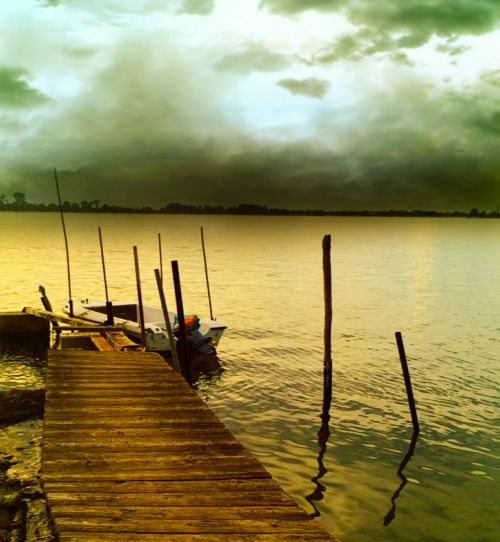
(187,499)
(68,536)
(190,526)
(161,487)
(172,513)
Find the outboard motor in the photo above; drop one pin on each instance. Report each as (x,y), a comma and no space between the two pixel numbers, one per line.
(201,344)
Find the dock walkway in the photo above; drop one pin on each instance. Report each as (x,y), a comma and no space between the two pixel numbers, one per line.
(130,453)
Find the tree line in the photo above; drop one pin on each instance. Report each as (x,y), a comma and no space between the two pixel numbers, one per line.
(20,203)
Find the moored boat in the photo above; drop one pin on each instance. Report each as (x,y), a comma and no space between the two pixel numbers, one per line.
(205,334)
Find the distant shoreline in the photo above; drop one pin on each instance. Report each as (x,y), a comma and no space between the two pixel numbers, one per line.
(21,205)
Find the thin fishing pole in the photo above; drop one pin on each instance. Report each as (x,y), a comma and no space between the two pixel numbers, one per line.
(206,274)
(65,242)
(161,259)
(103,265)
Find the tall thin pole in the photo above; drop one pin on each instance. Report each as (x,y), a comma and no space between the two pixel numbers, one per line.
(206,273)
(109,306)
(171,339)
(406,376)
(327,335)
(139,298)
(161,259)
(65,242)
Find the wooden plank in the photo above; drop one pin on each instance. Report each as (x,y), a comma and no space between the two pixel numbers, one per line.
(69,536)
(190,526)
(186,499)
(130,453)
(161,487)
(173,513)
(76,322)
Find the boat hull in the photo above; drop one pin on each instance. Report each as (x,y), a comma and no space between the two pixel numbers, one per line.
(126,315)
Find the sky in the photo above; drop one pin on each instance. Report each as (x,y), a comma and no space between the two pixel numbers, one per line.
(304,104)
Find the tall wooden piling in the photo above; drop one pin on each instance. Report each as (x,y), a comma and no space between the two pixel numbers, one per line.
(406,376)
(171,339)
(183,347)
(327,335)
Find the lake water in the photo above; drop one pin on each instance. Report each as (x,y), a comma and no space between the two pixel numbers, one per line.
(435,280)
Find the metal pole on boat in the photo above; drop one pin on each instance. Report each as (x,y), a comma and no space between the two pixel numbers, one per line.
(161,259)
(183,358)
(109,305)
(206,273)
(171,338)
(139,298)
(65,242)
(406,376)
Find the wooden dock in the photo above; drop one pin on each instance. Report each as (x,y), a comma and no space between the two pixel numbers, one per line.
(130,453)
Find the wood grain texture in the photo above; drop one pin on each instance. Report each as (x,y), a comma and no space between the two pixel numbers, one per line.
(130,453)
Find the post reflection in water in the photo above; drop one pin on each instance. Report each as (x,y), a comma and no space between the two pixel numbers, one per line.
(392,512)
(323,436)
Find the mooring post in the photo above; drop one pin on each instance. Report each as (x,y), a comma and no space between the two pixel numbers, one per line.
(139,298)
(327,287)
(406,375)
(171,339)
(183,354)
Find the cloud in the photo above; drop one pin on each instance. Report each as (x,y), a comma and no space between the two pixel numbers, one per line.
(400,23)
(289,7)
(16,92)
(311,87)
(492,77)
(198,7)
(451,48)
(253,58)
(135,114)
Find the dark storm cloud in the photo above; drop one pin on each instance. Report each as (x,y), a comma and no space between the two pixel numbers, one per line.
(311,87)
(15,91)
(253,58)
(385,26)
(198,7)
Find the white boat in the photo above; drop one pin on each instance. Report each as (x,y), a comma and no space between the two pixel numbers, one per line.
(205,334)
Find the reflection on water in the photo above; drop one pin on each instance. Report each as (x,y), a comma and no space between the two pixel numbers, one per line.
(323,435)
(411,449)
(435,279)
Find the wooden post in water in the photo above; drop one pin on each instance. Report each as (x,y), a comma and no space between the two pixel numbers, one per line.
(206,274)
(406,375)
(70,302)
(139,298)
(171,339)
(324,432)
(109,305)
(183,354)
(327,287)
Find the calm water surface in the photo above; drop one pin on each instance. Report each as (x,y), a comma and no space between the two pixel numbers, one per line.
(435,280)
